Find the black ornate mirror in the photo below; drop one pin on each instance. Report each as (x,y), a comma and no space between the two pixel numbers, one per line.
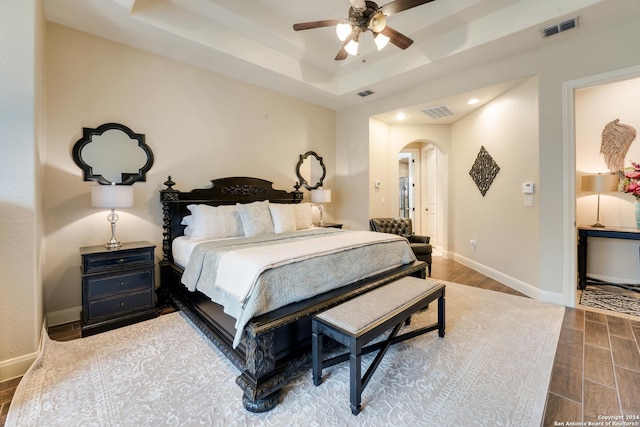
(112,153)
(310,170)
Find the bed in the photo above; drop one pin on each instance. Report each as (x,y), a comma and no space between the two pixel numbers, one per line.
(271,344)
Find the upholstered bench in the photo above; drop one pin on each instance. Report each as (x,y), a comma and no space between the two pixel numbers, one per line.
(360,320)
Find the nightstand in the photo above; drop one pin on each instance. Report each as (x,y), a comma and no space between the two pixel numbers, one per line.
(118,286)
(329,225)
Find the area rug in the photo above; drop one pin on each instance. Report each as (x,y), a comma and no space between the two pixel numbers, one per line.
(492,368)
(604,299)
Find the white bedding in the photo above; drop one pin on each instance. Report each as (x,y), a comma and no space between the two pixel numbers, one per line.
(293,267)
(182,247)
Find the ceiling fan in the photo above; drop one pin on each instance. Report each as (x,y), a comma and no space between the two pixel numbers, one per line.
(363,16)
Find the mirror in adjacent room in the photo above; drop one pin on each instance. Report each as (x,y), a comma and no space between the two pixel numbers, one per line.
(112,153)
(310,170)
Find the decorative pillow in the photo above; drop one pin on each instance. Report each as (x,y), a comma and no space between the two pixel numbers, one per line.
(256,218)
(187,220)
(302,213)
(283,217)
(213,222)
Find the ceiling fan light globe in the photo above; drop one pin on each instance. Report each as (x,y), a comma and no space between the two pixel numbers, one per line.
(352,47)
(381,41)
(343,30)
(378,22)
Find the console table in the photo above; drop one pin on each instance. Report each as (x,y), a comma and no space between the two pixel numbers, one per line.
(584,232)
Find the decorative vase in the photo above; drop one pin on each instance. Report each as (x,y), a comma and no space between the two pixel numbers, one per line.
(638,214)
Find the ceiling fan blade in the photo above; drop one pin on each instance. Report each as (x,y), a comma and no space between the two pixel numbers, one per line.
(318,24)
(397,38)
(358,4)
(342,53)
(400,5)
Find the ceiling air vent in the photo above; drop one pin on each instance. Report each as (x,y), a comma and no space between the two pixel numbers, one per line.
(365,93)
(563,26)
(438,112)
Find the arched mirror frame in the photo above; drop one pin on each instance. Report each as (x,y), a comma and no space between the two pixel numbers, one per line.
(303,181)
(127,178)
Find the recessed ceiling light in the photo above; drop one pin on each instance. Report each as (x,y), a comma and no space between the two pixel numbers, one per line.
(401,116)
(473,101)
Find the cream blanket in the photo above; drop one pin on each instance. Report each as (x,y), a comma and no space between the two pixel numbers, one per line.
(257,275)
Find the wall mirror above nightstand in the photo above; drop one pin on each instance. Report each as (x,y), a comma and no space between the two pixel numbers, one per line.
(310,170)
(112,153)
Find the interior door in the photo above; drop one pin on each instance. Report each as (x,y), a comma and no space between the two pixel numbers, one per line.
(430,186)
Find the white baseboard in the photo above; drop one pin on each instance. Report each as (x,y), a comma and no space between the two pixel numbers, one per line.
(16,367)
(513,283)
(61,317)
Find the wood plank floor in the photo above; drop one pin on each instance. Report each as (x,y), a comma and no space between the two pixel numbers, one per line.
(596,372)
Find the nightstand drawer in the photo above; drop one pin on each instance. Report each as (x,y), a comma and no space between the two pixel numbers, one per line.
(95,263)
(121,304)
(107,284)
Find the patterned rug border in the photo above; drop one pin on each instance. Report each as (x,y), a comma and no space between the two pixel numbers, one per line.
(599,298)
(164,372)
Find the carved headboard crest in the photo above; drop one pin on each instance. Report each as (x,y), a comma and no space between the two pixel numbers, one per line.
(244,190)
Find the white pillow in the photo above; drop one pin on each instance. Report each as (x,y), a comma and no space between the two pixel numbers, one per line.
(283,217)
(256,218)
(214,222)
(302,213)
(187,220)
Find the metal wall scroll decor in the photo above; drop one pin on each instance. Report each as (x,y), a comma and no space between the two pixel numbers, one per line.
(484,170)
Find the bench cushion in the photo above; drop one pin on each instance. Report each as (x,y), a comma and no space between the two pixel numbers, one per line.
(374,306)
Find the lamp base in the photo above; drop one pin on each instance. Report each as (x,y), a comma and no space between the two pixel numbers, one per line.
(113,245)
(598,225)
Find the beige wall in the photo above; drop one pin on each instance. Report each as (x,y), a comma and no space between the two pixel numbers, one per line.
(199,125)
(613,260)
(505,230)
(21,313)
(507,127)
(585,54)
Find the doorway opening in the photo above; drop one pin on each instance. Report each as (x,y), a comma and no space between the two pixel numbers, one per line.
(418,189)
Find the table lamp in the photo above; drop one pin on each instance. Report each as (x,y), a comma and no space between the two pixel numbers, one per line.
(321,196)
(600,183)
(111,197)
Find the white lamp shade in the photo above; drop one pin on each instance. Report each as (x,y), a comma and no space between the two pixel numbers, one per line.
(343,30)
(112,196)
(381,41)
(600,183)
(352,47)
(321,196)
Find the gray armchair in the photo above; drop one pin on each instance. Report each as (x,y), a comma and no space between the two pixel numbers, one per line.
(403,227)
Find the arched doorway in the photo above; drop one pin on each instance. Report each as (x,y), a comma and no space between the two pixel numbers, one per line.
(420,189)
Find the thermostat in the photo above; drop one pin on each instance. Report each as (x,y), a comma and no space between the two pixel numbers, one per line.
(377,183)
(527,187)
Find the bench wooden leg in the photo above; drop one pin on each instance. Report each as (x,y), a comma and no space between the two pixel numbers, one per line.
(355,377)
(316,354)
(441,315)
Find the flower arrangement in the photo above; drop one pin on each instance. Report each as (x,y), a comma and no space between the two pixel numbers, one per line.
(632,181)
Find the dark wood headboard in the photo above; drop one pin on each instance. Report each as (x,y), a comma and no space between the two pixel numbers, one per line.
(224,191)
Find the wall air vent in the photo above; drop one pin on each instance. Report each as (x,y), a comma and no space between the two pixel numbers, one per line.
(558,28)
(365,93)
(438,112)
